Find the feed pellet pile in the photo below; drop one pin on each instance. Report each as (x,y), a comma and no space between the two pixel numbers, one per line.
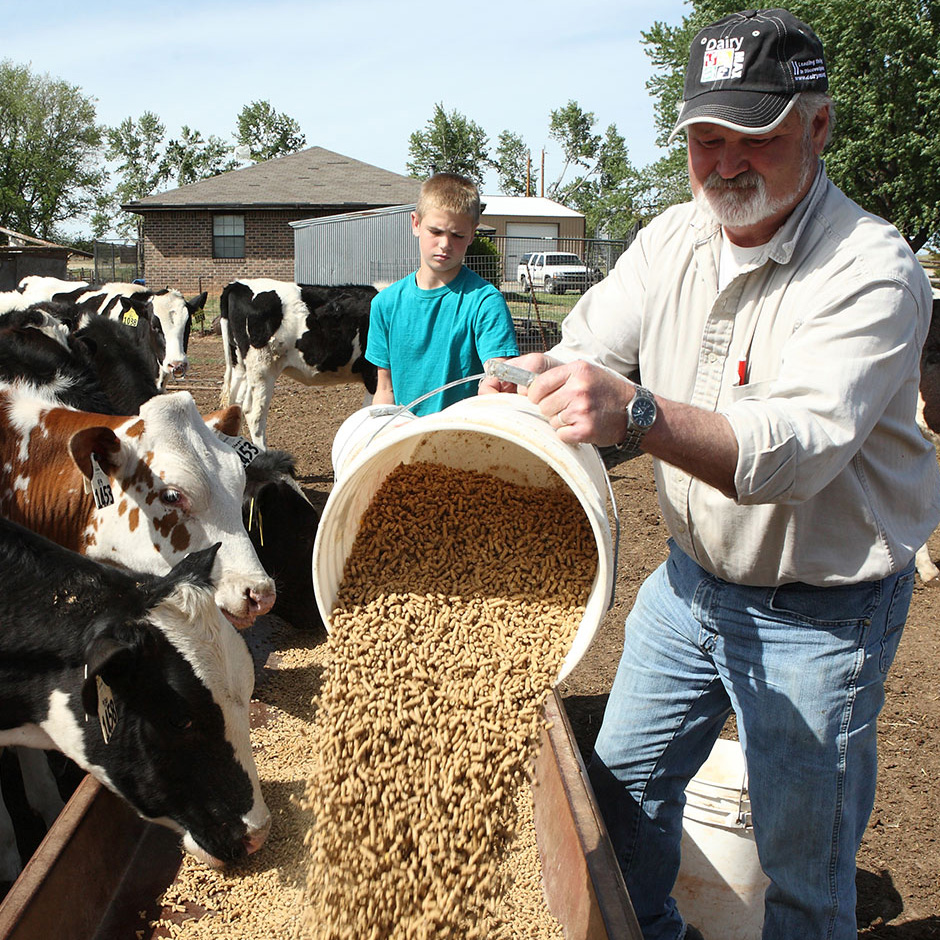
(263,897)
(460,600)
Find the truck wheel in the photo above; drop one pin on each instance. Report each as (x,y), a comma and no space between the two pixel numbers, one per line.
(524,283)
(548,285)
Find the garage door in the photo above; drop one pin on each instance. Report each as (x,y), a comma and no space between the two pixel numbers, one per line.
(528,236)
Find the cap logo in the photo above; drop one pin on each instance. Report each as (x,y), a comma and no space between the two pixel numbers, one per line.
(723,59)
(809,71)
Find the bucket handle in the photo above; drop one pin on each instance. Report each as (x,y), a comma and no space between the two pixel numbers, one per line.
(610,489)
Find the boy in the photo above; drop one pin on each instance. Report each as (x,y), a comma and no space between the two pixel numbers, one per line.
(444,321)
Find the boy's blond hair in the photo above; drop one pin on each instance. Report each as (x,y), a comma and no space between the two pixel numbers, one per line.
(449,192)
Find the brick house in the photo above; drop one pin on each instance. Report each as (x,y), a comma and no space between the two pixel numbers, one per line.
(237,224)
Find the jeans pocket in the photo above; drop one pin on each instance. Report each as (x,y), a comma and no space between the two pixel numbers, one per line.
(898,608)
(843,605)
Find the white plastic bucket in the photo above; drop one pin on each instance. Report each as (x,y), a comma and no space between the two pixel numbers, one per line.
(721,886)
(503,435)
(360,427)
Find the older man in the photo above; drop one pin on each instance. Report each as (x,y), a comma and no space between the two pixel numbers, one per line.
(778,328)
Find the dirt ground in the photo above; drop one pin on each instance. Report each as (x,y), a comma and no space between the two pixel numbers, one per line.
(899,862)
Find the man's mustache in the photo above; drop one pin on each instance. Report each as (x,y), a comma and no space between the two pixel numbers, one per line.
(749,179)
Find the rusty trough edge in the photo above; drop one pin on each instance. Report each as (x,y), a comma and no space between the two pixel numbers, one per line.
(99,871)
(82,879)
(583,885)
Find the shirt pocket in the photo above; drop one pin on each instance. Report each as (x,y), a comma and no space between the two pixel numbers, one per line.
(753,390)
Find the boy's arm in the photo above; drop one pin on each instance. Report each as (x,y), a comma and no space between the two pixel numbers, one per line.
(384,394)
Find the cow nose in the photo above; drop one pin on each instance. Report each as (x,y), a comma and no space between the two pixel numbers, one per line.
(260,602)
(254,839)
(178,369)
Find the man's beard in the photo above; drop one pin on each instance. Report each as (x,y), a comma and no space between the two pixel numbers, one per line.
(743,200)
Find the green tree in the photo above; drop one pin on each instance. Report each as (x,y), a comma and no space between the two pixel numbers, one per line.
(573,129)
(266,133)
(449,143)
(189,158)
(514,166)
(884,74)
(50,167)
(610,198)
(136,147)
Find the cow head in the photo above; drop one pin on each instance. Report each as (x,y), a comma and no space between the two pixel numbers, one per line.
(137,315)
(176,487)
(175,315)
(282,525)
(171,689)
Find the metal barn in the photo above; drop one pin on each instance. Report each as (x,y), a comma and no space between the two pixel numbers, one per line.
(373,246)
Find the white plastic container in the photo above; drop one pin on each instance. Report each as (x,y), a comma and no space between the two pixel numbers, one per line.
(503,435)
(360,427)
(721,886)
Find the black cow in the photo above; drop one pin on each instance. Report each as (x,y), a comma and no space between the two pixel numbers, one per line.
(137,678)
(282,525)
(316,335)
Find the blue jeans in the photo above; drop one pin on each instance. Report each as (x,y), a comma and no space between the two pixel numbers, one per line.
(803,668)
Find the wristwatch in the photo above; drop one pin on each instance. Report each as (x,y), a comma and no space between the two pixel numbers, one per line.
(641,413)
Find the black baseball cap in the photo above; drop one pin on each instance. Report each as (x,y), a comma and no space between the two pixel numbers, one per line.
(746,69)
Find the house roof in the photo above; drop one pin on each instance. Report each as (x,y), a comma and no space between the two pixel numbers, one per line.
(527,206)
(16,239)
(314,178)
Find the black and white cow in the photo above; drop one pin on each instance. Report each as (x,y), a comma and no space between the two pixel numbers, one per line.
(103,366)
(282,525)
(168,307)
(140,680)
(316,335)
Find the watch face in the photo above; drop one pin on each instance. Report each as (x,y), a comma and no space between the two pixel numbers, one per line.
(643,412)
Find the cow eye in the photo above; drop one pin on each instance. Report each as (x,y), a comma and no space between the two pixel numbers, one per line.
(180,722)
(174,498)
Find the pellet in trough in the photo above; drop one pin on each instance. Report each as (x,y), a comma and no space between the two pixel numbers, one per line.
(460,599)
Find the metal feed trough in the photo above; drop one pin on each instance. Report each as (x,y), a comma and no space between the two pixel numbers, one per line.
(99,871)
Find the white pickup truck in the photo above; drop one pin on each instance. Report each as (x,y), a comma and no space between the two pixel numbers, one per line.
(555,272)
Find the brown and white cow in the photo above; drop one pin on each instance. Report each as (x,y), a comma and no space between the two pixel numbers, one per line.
(168,485)
(316,335)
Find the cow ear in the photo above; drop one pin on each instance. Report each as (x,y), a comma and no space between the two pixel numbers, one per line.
(136,303)
(105,657)
(197,303)
(195,568)
(228,420)
(100,441)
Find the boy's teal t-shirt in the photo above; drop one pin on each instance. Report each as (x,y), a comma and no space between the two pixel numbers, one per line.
(428,338)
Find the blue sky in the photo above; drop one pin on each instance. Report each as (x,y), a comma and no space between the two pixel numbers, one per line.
(359,76)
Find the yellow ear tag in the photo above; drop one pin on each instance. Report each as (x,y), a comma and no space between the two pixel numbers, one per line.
(107,710)
(130,318)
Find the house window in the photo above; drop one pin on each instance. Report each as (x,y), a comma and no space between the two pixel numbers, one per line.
(228,236)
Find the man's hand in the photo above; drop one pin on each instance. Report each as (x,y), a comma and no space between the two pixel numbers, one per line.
(585,403)
(531,362)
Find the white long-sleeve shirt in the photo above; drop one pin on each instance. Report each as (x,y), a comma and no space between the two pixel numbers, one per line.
(835,484)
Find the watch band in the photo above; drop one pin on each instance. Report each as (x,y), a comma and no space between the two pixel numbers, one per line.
(630,445)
